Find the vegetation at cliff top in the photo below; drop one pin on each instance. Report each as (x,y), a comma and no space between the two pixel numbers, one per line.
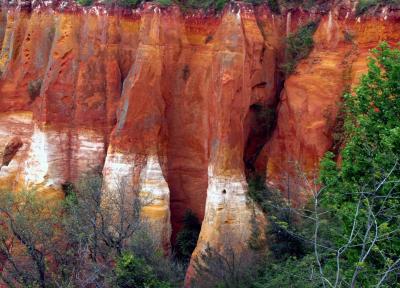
(298,46)
(217,5)
(364,5)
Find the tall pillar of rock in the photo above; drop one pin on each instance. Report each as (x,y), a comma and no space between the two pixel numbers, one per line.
(228,211)
(187,102)
(48,163)
(133,155)
(97,92)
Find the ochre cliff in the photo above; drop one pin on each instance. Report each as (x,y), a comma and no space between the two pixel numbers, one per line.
(165,102)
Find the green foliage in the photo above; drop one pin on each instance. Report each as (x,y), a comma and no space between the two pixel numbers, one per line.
(218,5)
(365,186)
(186,239)
(255,2)
(274,6)
(364,5)
(128,3)
(299,46)
(291,272)
(165,2)
(132,271)
(84,2)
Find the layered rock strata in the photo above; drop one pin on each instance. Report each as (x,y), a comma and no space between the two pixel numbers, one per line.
(166,103)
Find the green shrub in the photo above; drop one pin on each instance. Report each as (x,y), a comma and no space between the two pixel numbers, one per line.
(274,6)
(132,271)
(84,2)
(299,46)
(291,272)
(255,2)
(218,5)
(165,2)
(128,3)
(364,5)
(186,239)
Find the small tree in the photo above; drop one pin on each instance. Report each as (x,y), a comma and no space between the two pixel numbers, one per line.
(26,238)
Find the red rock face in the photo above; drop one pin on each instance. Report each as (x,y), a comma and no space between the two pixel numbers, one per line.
(167,102)
(310,99)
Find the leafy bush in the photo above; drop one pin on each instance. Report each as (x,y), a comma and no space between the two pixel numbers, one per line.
(186,239)
(165,2)
(205,4)
(128,3)
(84,2)
(291,272)
(132,271)
(364,5)
(274,6)
(299,46)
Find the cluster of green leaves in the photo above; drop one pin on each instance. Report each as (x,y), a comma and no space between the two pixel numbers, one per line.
(291,272)
(365,185)
(132,271)
(298,46)
(364,5)
(186,239)
(84,2)
(128,3)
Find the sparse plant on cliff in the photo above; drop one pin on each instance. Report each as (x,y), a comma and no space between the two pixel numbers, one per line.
(84,2)
(364,5)
(165,2)
(218,5)
(34,87)
(298,46)
(274,6)
(128,3)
